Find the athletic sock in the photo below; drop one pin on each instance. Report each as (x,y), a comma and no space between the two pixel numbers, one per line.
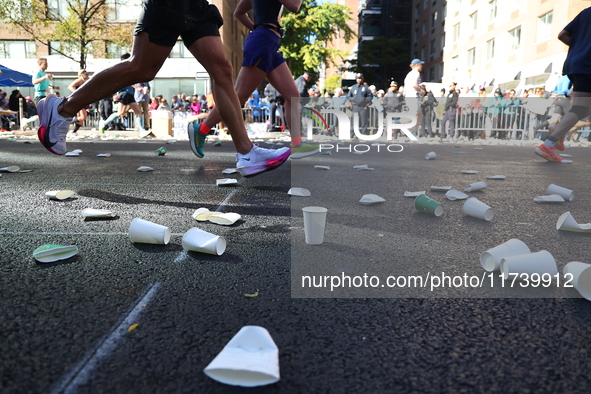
(111,118)
(76,127)
(550,141)
(204,129)
(296,141)
(140,122)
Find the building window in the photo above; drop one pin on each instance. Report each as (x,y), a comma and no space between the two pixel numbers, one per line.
(433,19)
(415,38)
(433,48)
(444,11)
(515,38)
(456,32)
(490,49)
(425,4)
(455,63)
(70,49)
(544,26)
(471,57)
(474,20)
(442,41)
(417,11)
(18,50)
(432,74)
(114,51)
(123,10)
(492,6)
(179,51)
(58,9)
(422,52)
(424,28)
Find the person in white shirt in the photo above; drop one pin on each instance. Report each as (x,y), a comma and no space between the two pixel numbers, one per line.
(412,90)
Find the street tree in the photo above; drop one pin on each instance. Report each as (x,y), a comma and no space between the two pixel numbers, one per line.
(381,59)
(309,31)
(71,27)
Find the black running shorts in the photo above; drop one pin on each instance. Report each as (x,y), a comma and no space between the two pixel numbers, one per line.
(126,98)
(166,20)
(581,82)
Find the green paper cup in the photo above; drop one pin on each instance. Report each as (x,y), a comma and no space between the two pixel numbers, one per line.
(161,151)
(428,205)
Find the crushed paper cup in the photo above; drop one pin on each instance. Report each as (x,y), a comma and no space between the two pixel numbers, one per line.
(250,359)
(360,167)
(201,214)
(322,167)
(581,277)
(299,192)
(565,155)
(226,182)
(455,195)
(430,156)
(72,154)
(91,213)
(541,263)
(145,169)
(566,161)
(491,259)
(567,194)
(477,209)
(469,172)
(414,194)
(229,171)
(551,198)
(77,151)
(566,222)
(440,188)
(103,155)
(143,231)
(368,199)
(479,148)
(496,177)
(475,186)
(225,219)
(59,194)
(10,169)
(197,240)
(49,253)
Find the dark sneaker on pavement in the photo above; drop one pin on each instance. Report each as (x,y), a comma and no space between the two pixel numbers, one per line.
(548,153)
(196,139)
(304,150)
(260,160)
(53,128)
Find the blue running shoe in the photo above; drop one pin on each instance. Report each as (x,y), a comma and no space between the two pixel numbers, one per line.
(196,139)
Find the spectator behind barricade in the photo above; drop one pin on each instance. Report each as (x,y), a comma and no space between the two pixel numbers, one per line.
(15,101)
(164,106)
(451,104)
(275,101)
(255,103)
(428,103)
(393,100)
(175,104)
(513,112)
(30,107)
(142,98)
(373,90)
(154,103)
(301,83)
(195,105)
(360,96)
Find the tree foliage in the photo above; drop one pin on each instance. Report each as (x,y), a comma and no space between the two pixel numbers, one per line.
(78,25)
(308,31)
(375,57)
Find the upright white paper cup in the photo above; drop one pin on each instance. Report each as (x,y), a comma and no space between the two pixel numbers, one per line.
(198,240)
(567,194)
(250,359)
(430,156)
(143,231)
(540,263)
(314,223)
(475,186)
(476,208)
(491,259)
(581,273)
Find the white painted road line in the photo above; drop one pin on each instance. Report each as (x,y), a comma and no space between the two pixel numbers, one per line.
(84,369)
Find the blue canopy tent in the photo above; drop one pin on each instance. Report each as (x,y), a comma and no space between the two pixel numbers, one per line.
(10,77)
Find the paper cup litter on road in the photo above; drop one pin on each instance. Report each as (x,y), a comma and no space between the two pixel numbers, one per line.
(475,186)
(550,198)
(581,277)
(202,214)
(566,222)
(360,167)
(72,154)
(229,171)
(440,188)
(225,219)
(197,240)
(469,172)
(10,169)
(428,205)
(477,209)
(455,195)
(368,199)
(250,359)
(143,231)
(90,213)
(49,253)
(145,169)
(491,259)
(541,262)
(322,167)
(77,151)
(496,177)
(414,194)
(430,156)
(567,194)
(59,194)
(103,155)
(226,182)
(565,155)
(314,224)
(299,192)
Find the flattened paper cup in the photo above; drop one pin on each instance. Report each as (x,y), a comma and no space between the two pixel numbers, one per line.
(226,182)
(90,213)
(477,209)
(541,262)
(10,169)
(145,169)
(225,219)
(143,231)
(551,198)
(475,186)
(103,155)
(77,151)
(496,177)
(59,194)
(469,172)
(49,253)
(455,195)
(581,280)
(368,199)
(299,192)
(491,259)
(197,240)
(229,171)
(565,193)
(360,167)
(202,214)
(413,194)
(440,188)
(322,167)
(566,222)
(428,205)
(314,224)
(250,359)
(430,156)
(72,154)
